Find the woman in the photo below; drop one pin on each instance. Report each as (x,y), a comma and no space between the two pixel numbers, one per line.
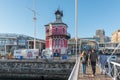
(83,60)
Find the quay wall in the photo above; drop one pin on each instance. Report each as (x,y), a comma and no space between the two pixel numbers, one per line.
(36,68)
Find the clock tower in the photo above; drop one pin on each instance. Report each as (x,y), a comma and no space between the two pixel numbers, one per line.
(57,35)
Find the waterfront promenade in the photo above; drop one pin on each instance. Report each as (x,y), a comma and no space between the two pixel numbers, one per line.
(88,75)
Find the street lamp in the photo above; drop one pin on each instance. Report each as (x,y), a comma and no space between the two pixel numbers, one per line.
(76,25)
(34,18)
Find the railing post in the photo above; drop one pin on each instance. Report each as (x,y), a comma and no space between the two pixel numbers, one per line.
(109,68)
(115,72)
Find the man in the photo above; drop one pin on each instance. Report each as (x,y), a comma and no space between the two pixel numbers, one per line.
(93,58)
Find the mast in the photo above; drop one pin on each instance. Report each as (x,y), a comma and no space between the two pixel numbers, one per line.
(34,20)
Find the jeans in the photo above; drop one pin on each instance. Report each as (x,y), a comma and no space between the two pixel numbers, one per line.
(93,65)
(102,66)
(83,68)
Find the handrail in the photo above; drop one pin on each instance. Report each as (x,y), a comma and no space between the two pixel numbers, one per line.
(113,69)
(75,71)
(115,63)
(115,72)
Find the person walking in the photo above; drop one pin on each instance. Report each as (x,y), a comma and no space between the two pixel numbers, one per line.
(89,52)
(102,62)
(93,59)
(83,59)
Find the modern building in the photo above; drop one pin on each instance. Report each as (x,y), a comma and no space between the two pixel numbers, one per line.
(109,47)
(82,43)
(57,35)
(10,42)
(116,36)
(88,43)
(100,33)
(107,39)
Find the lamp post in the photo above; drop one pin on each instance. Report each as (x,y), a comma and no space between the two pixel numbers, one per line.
(34,19)
(34,29)
(76,25)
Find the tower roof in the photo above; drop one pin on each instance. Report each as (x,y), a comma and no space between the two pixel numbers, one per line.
(59,12)
(59,15)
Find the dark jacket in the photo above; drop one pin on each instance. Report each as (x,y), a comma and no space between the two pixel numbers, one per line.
(93,57)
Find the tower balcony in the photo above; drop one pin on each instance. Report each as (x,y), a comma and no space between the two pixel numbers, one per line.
(59,34)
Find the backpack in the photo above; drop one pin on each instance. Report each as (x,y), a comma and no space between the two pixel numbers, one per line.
(83,60)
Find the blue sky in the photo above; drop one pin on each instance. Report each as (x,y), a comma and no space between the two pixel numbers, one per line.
(15,17)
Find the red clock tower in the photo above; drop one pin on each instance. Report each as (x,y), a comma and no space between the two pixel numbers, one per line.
(56,34)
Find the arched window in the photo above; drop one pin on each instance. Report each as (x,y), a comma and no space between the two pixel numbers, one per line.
(58,42)
(55,42)
(56,30)
(62,43)
(63,30)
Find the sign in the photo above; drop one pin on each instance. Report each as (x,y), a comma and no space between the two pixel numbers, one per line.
(26,53)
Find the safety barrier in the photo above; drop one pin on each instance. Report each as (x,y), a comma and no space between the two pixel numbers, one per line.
(113,70)
(113,66)
(75,71)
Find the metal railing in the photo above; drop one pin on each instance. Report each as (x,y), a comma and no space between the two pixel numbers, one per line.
(75,71)
(113,70)
(113,66)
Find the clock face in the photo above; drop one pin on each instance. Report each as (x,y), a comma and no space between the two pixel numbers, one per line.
(58,16)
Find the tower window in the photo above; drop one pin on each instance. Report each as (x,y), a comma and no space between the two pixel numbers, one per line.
(56,30)
(63,30)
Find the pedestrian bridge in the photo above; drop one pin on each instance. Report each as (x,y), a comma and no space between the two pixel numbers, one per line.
(112,72)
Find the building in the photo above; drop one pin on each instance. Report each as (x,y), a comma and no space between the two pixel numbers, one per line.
(109,47)
(115,36)
(88,43)
(100,33)
(83,43)
(72,46)
(112,45)
(57,35)
(10,42)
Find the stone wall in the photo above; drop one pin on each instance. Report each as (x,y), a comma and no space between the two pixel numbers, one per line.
(35,68)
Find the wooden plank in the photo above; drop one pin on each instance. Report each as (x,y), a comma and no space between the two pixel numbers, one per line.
(88,75)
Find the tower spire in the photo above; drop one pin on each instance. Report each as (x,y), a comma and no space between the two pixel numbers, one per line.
(59,15)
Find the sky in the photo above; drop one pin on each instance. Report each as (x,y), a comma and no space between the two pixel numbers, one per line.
(15,17)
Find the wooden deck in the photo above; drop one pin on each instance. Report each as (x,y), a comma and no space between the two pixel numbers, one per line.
(88,75)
